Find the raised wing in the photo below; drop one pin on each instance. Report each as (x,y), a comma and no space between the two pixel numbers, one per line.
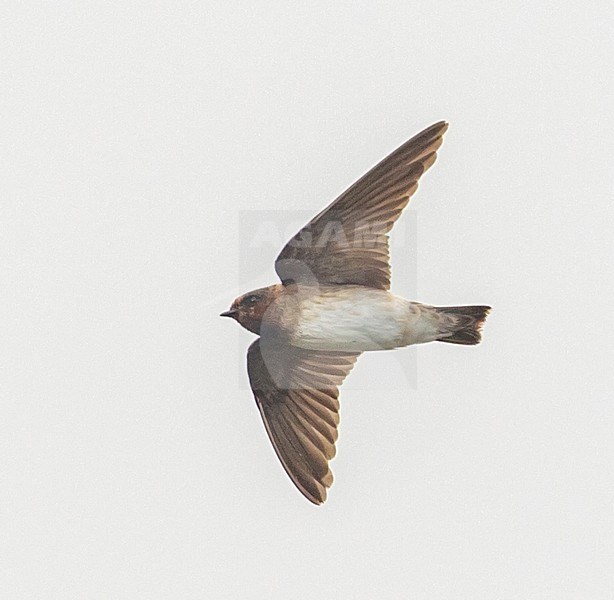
(347,243)
(296,391)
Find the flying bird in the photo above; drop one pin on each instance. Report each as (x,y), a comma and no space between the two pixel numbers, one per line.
(332,304)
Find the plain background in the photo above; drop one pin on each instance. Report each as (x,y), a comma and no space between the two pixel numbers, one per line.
(136,136)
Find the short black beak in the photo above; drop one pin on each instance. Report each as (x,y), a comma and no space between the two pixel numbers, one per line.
(230,313)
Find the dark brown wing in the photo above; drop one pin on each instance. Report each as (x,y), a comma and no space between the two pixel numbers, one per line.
(347,243)
(296,391)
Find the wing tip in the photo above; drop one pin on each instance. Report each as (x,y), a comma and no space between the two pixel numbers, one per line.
(437,129)
(317,500)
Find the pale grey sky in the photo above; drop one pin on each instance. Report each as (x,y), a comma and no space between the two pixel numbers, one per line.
(137,141)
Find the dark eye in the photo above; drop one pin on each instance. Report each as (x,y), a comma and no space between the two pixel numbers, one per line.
(252,299)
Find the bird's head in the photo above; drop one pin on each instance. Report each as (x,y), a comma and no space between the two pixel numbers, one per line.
(249,309)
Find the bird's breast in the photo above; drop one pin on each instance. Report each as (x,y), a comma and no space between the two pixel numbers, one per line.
(350,318)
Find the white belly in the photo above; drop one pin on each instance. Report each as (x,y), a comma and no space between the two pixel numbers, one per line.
(352,319)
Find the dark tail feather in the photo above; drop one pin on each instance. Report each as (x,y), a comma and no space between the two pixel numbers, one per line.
(462,324)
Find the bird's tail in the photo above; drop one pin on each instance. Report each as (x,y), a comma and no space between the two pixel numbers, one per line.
(461,324)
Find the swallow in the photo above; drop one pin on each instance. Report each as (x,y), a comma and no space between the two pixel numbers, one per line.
(332,304)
